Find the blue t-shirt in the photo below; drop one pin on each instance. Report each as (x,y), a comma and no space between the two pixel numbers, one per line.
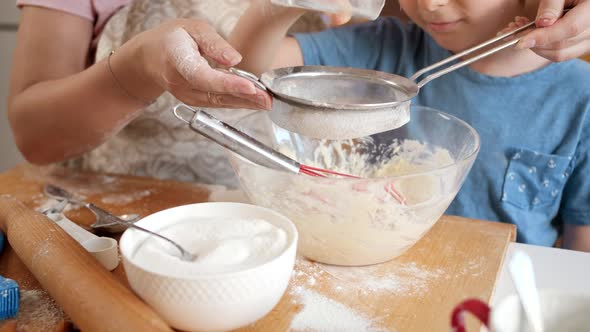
(533,169)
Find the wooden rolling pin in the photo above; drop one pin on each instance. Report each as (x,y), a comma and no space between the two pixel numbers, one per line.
(88,293)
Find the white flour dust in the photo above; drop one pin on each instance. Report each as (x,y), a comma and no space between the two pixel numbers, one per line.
(44,204)
(126,198)
(181,50)
(366,285)
(37,311)
(340,124)
(321,313)
(407,280)
(224,194)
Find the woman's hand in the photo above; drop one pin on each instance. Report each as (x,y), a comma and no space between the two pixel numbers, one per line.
(560,38)
(174,57)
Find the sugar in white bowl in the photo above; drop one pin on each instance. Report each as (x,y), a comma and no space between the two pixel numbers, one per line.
(245,259)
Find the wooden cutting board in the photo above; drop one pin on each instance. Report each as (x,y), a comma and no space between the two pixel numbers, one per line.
(459,258)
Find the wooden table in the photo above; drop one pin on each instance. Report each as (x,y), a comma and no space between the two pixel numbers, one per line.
(458,258)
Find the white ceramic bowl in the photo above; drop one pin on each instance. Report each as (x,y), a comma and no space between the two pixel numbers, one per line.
(212,302)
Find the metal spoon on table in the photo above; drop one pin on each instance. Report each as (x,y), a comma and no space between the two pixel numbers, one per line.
(107,219)
(58,193)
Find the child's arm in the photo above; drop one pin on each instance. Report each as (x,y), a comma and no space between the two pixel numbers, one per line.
(260,36)
(576,237)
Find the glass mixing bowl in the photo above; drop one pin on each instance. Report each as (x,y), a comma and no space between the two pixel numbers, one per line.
(408,178)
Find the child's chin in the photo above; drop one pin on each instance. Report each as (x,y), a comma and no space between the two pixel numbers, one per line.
(452,44)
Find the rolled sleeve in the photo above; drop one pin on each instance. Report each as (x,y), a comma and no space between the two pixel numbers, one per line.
(82,8)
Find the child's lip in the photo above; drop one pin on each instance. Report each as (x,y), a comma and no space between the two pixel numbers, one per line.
(443,26)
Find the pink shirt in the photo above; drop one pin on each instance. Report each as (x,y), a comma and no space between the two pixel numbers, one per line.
(97,11)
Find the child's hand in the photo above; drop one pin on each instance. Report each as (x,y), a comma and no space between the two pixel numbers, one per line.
(564,38)
(173,56)
(268,8)
(344,16)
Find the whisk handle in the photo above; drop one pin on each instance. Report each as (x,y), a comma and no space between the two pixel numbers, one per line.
(235,140)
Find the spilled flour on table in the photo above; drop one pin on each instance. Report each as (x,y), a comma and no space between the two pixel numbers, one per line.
(365,284)
(125,198)
(37,311)
(408,280)
(224,194)
(321,313)
(47,203)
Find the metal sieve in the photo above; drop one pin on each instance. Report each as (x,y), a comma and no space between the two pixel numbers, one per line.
(343,103)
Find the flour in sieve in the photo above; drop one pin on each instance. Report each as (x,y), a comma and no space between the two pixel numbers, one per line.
(340,124)
(333,123)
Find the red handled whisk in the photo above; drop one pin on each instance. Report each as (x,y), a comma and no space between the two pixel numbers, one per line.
(252,149)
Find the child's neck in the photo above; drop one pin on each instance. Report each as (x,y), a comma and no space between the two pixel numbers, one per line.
(509,63)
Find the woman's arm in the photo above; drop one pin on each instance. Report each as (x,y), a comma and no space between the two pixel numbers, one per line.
(58,109)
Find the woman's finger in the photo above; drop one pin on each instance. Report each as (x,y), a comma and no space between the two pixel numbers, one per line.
(213,100)
(570,25)
(183,54)
(206,78)
(564,54)
(518,22)
(566,43)
(211,44)
(548,12)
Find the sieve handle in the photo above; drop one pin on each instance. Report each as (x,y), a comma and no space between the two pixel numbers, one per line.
(468,52)
(234,139)
(250,77)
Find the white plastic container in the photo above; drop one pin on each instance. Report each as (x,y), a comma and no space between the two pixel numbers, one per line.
(369,9)
(560,311)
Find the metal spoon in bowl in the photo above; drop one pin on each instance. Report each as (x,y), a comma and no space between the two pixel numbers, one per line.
(107,219)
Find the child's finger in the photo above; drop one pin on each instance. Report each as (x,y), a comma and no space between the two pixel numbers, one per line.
(344,15)
(340,19)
